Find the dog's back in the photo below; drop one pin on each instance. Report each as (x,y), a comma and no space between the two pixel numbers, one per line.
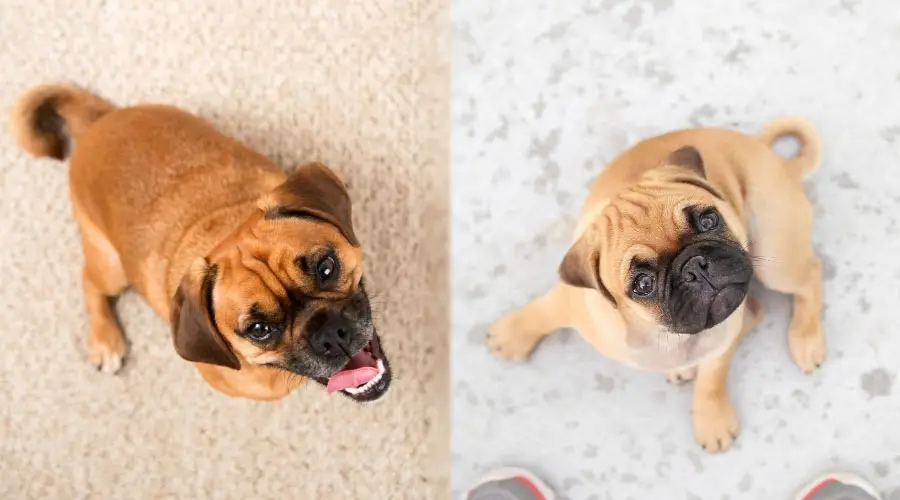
(152,180)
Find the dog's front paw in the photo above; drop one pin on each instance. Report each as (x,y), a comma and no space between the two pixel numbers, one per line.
(682,376)
(807,345)
(715,424)
(509,342)
(106,350)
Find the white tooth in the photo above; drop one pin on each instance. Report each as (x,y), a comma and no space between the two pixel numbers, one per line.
(368,385)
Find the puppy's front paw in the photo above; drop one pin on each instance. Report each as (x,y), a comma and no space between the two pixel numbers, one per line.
(682,376)
(715,424)
(106,350)
(807,346)
(509,342)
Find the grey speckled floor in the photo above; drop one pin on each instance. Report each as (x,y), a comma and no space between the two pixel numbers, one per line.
(546,92)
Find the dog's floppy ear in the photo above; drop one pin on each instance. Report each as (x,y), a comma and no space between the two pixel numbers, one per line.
(687,157)
(194,331)
(312,191)
(581,267)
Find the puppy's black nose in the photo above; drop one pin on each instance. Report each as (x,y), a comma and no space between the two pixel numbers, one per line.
(696,268)
(332,338)
(709,281)
(714,269)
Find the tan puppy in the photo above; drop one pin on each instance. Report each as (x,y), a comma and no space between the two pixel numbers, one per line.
(663,255)
(260,273)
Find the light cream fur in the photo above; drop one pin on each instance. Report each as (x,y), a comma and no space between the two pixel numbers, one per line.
(765,207)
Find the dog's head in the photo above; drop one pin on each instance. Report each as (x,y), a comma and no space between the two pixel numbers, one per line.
(286,290)
(669,252)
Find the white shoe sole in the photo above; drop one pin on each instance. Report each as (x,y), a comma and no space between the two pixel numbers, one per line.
(510,473)
(842,477)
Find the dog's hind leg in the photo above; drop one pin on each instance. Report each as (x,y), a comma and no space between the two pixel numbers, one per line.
(515,335)
(786,262)
(782,217)
(103,279)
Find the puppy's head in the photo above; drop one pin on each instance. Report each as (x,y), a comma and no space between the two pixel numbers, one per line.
(286,290)
(669,252)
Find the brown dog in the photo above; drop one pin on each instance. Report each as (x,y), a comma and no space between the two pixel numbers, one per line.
(663,255)
(259,273)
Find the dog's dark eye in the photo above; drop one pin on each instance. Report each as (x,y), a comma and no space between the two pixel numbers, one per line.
(259,331)
(327,270)
(643,284)
(708,220)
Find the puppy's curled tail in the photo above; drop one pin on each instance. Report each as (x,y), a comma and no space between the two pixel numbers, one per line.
(47,117)
(810,154)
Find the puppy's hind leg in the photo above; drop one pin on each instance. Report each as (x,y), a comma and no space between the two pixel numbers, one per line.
(787,263)
(515,335)
(681,376)
(103,279)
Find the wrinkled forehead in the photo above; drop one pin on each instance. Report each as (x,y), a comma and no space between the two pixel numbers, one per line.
(280,255)
(288,240)
(646,224)
(239,285)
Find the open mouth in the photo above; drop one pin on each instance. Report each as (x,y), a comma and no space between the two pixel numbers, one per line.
(365,377)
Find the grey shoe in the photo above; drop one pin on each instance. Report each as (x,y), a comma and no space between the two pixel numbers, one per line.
(510,484)
(839,486)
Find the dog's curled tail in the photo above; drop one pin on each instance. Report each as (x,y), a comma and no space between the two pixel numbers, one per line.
(47,117)
(809,156)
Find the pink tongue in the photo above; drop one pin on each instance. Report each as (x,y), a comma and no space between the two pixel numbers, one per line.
(350,379)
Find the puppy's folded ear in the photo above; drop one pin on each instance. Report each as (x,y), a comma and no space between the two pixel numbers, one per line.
(194,331)
(312,191)
(688,158)
(581,268)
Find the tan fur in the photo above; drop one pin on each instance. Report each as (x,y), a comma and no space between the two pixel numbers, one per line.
(77,106)
(161,197)
(632,209)
(810,154)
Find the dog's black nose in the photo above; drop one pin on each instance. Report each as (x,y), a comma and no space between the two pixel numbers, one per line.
(715,269)
(696,268)
(332,338)
(709,281)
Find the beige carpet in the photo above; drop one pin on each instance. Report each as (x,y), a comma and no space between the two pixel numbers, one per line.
(360,85)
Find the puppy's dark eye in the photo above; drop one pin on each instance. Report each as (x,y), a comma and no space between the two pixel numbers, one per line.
(643,284)
(327,270)
(708,220)
(259,331)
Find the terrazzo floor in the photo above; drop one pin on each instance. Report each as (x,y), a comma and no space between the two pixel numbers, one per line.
(544,94)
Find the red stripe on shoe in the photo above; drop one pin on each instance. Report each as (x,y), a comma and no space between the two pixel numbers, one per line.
(533,488)
(815,489)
